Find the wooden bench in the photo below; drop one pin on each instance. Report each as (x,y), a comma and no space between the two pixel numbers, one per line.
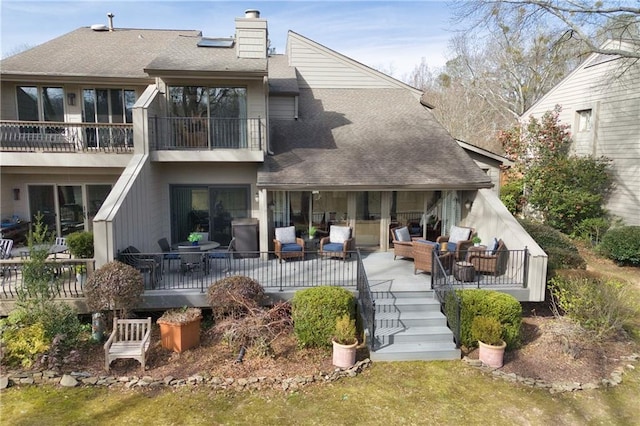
(130,338)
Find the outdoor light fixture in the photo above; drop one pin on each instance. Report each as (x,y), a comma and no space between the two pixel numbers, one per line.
(71,98)
(257,196)
(468,204)
(16,194)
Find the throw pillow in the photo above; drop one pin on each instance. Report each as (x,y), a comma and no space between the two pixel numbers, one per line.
(339,234)
(436,246)
(459,234)
(286,235)
(402,234)
(494,246)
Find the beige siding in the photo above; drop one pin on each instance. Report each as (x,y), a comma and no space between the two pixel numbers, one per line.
(8,99)
(281,107)
(615,102)
(322,68)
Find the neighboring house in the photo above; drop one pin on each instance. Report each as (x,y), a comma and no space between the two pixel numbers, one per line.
(600,102)
(491,163)
(143,134)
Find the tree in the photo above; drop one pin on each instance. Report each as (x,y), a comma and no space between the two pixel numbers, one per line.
(588,22)
(564,189)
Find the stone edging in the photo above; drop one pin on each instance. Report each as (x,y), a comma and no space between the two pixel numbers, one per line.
(74,379)
(556,387)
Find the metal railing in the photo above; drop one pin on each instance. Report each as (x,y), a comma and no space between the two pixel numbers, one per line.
(509,268)
(450,303)
(67,283)
(366,302)
(32,136)
(185,133)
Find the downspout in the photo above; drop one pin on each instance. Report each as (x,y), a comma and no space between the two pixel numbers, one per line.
(266,107)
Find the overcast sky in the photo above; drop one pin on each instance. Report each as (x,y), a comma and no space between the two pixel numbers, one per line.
(389,35)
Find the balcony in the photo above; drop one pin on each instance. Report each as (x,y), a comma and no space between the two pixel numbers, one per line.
(196,133)
(32,136)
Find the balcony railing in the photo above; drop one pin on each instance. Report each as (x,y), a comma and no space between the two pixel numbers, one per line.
(185,133)
(31,136)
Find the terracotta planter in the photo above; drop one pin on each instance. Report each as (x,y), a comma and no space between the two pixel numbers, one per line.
(179,337)
(344,356)
(490,355)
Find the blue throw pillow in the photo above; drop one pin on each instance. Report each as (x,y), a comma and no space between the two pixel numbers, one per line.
(436,246)
(494,246)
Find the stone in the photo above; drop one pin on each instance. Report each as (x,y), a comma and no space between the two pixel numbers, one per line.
(167,380)
(4,382)
(90,380)
(68,381)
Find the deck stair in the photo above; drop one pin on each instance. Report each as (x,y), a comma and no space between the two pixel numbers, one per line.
(410,327)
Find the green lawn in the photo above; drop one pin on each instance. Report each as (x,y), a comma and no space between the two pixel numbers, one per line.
(388,393)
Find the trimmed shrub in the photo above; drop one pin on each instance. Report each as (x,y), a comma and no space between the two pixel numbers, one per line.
(22,344)
(592,230)
(562,252)
(622,245)
(500,306)
(486,330)
(601,305)
(315,312)
(114,286)
(234,296)
(80,244)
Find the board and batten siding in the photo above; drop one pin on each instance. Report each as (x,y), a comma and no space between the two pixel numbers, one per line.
(322,68)
(614,99)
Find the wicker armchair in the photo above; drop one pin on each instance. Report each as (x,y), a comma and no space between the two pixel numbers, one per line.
(284,245)
(401,248)
(423,257)
(488,263)
(337,244)
(461,245)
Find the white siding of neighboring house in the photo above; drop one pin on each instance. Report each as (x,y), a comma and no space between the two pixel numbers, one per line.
(281,107)
(319,67)
(615,125)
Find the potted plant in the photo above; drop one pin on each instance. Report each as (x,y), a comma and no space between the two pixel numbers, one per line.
(180,328)
(312,232)
(344,342)
(488,332)
(81,247)
(194,238)
(476,241)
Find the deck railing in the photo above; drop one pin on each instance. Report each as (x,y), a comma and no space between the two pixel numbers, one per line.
(33,136)
(67,284)
(366,302)
(201,133)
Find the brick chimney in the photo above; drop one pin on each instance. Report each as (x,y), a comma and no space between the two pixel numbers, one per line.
(251,35)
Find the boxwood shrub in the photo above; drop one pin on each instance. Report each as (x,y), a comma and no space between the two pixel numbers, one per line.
(315,311)
(622,245)
(501,306)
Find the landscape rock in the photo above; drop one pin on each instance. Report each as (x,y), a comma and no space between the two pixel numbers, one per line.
(68,381)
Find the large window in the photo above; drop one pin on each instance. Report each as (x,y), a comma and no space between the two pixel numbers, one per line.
(40,103)
(209,116)
(209,209)
(108,106)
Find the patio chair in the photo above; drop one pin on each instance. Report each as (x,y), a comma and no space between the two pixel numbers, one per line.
(492,262)
(287,245)
(423,255)
(338,244)
(6,245)
(61,247)
(144,263)
(458,240)
(402,242)
(167,253)
(224,253)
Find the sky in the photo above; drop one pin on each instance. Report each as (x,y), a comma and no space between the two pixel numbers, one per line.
(392,36)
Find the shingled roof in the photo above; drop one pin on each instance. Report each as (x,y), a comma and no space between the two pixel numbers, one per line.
(366,138)
(122,53)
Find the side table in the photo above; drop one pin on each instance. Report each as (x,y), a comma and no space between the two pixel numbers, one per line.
(311,246)
(478,249)
(464,271)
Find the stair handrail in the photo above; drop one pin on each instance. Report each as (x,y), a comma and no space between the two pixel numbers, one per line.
(450,302)
(366,302)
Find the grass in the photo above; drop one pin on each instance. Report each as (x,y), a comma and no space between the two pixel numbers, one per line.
(396,393)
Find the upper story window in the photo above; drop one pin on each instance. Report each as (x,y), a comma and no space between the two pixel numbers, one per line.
(584,120)
(108,105)
(40,103)
(209,102)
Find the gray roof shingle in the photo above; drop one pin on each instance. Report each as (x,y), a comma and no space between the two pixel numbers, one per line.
(123,53)
(366,138)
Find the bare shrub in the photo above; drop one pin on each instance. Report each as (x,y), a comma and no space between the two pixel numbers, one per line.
(258,328)
(114,286)
(234,296)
